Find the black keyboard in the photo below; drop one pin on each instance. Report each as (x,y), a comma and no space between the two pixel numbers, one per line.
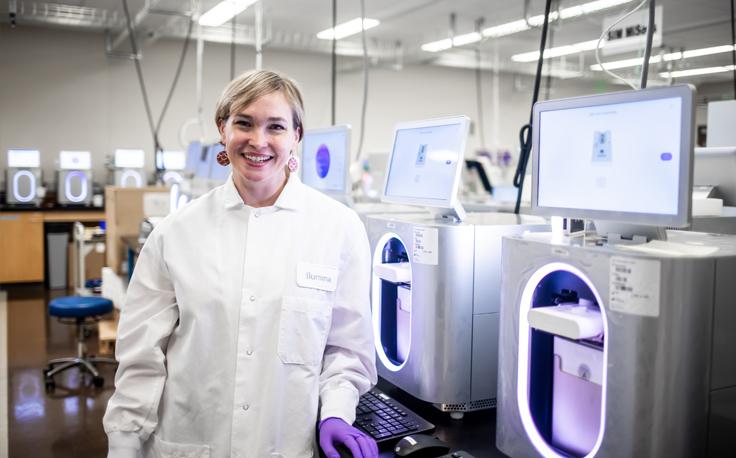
(383,418)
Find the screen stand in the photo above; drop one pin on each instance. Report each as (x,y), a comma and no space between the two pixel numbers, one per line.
(455,214)
(622,233)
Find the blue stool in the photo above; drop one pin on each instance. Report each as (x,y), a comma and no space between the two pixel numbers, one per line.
(82,311)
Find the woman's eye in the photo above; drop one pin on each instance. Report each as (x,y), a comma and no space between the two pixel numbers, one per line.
(277,127)
(242,123)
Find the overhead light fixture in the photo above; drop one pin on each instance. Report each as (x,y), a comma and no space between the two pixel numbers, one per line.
(347,28)
(447,43)
(521,25)
(224,11)
(637,61)
(556,52)
(439,45)
(466,39)
(697,71)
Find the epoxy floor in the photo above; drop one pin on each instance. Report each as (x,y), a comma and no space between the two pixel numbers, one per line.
(68,422)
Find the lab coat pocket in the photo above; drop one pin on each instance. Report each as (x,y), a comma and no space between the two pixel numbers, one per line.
(303,328)
(165,449)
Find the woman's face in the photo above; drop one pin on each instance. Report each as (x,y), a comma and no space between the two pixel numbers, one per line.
(258,140)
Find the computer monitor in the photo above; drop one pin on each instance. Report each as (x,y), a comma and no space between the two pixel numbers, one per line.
(201,167)
(218,173)
(425,164)
(129,158)
(623,157)
(75,160)
(194,156)
(171,160)
(717,167)
(24,158)
(326,160)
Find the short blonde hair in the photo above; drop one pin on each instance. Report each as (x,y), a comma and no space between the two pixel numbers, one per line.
(251,85)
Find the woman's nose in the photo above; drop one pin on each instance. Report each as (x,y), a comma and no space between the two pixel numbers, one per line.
(258,138)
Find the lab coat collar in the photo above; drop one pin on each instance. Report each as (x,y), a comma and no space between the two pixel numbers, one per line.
(289,199)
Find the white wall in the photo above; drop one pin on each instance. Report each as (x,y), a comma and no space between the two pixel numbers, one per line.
(59,90)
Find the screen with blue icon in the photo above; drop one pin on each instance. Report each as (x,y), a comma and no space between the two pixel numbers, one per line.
(325,157)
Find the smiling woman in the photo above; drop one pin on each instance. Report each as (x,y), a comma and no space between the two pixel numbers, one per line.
(236,337)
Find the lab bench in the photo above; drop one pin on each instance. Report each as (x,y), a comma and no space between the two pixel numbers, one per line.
(22,241)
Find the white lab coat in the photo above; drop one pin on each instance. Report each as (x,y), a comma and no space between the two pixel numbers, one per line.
(231,338)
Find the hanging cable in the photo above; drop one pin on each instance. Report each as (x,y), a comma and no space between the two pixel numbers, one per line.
(733,50)
(479,87)
(647,47)
(334,59)
(365,82)
(605,34)
(548,78)
(139,72)
(525,134)
(182,58)
(232,49)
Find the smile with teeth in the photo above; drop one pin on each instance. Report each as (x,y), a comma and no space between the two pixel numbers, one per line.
(256,158)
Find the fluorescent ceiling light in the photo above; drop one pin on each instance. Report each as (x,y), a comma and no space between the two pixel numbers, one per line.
(521,25)
(472,37)
(436,46)
(224,11)
(347,28)
(556,52)
(697,71)
(637,61)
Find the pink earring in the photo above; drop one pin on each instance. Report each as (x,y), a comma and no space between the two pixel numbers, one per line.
(222,159)
(293,163)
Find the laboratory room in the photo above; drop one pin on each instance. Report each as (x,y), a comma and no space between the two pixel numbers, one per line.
(367,229)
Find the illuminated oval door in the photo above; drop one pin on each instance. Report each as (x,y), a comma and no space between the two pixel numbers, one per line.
(391,301)
(17,194)
(68,184)
(561,382)
(131,175)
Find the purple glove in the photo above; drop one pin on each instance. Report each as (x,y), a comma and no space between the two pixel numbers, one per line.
(334,431)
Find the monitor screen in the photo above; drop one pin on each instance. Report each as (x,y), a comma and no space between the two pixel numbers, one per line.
(75,160)
(130,158)
(623,157)
(425,162)
(194,156)
(24,158)
(326,159)
(218,172)
(171,160)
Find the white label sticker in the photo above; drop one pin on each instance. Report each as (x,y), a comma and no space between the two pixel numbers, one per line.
(316,276)
(156,204)
(634,286)
(425,246)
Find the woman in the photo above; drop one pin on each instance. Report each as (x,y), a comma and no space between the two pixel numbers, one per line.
(248,309)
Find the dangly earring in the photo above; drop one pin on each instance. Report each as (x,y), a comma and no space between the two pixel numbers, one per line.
(222,158)
(293,163)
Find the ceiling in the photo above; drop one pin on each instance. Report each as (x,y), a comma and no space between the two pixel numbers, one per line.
(405,26)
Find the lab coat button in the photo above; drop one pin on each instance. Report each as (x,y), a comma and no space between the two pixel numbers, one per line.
(249,352)
(252,298)
(246,407)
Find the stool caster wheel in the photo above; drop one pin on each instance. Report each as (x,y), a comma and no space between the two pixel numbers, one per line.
(98,381)
(50,384)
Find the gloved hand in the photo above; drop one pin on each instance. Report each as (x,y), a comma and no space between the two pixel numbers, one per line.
(334,431)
